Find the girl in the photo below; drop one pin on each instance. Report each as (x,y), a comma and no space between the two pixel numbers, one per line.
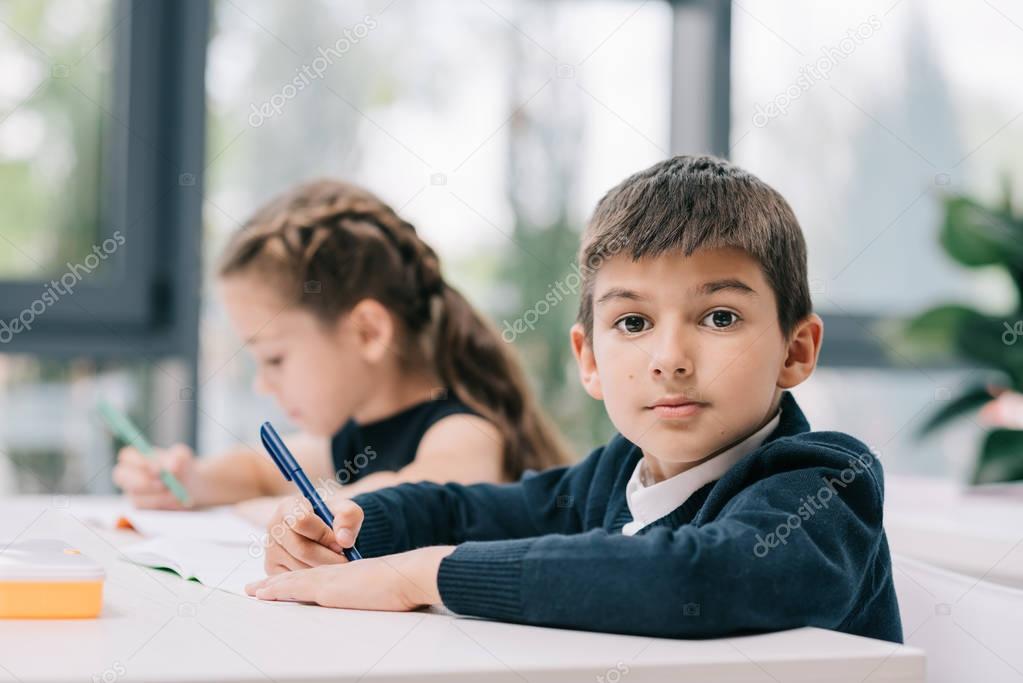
(389,371)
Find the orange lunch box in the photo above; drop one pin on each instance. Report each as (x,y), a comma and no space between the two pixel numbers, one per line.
(48,579)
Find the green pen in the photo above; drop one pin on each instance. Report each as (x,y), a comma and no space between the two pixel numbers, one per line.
(125,430)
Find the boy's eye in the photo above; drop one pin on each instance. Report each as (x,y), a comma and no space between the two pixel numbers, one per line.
(632,324)
(273,362)
(720,319)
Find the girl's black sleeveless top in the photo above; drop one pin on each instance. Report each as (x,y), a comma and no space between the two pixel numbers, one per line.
(389,444)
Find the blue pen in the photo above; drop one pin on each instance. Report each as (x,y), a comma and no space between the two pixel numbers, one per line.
(291,470)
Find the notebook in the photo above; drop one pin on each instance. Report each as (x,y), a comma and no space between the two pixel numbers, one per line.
(214,525)
(222,567)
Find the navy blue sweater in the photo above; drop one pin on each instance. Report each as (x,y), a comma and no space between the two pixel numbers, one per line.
(790,536)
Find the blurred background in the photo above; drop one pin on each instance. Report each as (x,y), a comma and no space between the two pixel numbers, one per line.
(136,135)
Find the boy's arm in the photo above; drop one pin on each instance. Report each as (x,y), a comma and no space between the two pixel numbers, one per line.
(411,516)
(695,581)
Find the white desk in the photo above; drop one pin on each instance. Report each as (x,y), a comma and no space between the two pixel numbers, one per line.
(977,531)
(158,628)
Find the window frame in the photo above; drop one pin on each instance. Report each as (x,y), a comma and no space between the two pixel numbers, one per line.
(701,122)
(151,192)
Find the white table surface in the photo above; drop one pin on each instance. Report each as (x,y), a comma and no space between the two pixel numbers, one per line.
(973,530)
(156,627)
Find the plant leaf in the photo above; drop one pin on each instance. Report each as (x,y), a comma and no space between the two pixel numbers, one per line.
(976,235)
(955,331)
(1001,457)
(985,340)
(935,332)
(970,400)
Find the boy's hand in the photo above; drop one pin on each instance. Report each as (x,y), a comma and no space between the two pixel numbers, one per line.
(260,511)
(395,583)
(298,539)
(139,477)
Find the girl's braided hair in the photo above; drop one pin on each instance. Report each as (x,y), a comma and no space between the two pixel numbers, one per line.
(326,245)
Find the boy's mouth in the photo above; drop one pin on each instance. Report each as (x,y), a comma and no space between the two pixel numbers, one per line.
(676,407)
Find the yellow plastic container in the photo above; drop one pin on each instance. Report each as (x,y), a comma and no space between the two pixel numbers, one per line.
(48,579)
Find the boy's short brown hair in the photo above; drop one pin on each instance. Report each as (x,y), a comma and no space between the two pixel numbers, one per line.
(692,202)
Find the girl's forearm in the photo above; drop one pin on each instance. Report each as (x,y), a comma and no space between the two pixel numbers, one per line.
(234,476)
(243,473)
(371,482)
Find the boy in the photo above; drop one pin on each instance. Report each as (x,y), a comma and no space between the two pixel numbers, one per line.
(715,511)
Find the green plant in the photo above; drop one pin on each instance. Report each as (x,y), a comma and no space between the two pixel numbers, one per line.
(977,235)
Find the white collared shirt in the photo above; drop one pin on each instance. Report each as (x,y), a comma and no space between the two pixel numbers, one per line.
(649,503)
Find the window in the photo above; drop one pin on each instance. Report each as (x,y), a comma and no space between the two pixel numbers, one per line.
(100,166)
(94,145)
(493,127)
(882,89)
(58,64)
(135,135)
(862,116)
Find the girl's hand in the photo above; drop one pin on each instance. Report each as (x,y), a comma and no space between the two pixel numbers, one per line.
(139,477)
(1005,411)
(395,583)
(298,539)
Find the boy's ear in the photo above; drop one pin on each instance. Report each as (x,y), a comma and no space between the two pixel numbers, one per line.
(804,346)
(587,363)
(373,328)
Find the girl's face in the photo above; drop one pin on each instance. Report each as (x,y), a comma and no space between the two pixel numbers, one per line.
(319,374)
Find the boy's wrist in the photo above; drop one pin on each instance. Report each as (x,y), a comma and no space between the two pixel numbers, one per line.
(427,568)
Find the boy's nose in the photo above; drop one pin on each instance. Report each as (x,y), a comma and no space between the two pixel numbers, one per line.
(680,370)
(671,362)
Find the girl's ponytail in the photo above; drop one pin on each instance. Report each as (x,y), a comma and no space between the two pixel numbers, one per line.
(475,363)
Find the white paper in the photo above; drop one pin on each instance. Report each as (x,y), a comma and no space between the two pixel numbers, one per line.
(215,525)
(224,567)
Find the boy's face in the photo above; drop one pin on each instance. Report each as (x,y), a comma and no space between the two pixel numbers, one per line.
(687,352)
